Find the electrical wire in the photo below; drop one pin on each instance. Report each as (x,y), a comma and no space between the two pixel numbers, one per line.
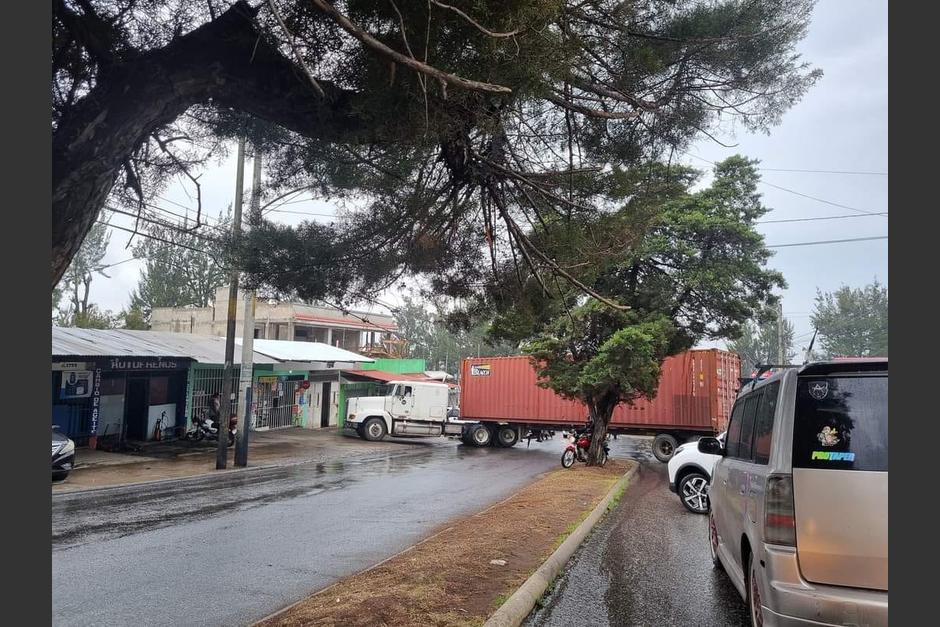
(830,241)
(842,217)
(153,237)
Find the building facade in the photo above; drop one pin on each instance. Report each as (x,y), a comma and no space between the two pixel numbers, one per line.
(358,332)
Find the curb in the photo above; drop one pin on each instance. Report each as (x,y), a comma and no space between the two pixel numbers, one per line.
(520,604)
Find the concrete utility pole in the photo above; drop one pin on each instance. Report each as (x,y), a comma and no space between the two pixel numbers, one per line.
(780,352)
(221,452)
(248,329)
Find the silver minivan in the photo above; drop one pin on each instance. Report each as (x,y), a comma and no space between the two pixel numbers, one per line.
(799,498)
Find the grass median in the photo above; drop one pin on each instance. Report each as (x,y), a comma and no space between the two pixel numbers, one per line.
(462,573)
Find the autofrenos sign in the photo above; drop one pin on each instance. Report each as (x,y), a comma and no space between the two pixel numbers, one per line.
(143,364)
(480,370)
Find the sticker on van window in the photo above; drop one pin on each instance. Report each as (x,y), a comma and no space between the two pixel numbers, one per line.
(819,389)
(828,436)
(833,456)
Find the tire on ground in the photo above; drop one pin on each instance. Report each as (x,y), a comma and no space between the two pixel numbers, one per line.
(664,445)
(374,429)
(506,436)
(480,435)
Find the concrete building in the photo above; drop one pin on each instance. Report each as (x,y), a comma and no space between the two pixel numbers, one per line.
(359,332)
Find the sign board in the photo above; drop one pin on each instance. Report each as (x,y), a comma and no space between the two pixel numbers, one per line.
(480,370)
(69,365)
(143,364)
(76,384)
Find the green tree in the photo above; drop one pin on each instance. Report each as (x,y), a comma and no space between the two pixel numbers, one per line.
(76,282)
(133,318)
(430,337)
(853,322)
(688,266)
(427,111)
(758,342)
(181,268)
(94,318)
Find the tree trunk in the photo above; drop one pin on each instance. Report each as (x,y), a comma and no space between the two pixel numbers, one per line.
(226,61)
(600,413)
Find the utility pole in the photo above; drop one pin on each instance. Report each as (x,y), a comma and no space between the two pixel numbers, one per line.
(222,451)
(780,351)
(248,322)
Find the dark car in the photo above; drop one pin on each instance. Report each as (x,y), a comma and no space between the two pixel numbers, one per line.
(63,455)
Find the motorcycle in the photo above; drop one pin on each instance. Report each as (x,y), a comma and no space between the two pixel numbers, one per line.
(206,429)
(577,448)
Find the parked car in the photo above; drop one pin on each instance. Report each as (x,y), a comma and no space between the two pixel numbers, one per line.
(690,471)
(799,498)
(63,455)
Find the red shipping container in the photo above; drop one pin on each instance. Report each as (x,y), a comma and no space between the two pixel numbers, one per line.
(695,394)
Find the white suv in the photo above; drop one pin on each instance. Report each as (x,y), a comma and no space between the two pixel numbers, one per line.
(690,470)
(799,499)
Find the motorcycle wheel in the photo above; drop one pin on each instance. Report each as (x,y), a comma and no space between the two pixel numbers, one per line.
(197,435)
(567,458)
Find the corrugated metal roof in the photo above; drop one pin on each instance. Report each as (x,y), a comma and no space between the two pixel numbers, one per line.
(285,350)
(207,349)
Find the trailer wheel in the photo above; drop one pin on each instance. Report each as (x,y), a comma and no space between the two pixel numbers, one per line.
(480,435)
(506,436)
(664,445)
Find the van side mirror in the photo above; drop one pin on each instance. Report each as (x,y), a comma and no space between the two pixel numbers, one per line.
(711,446)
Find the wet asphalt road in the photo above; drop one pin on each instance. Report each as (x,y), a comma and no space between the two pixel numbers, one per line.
(151,555)
(646,563)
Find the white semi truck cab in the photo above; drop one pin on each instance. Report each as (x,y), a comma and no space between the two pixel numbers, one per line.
(407,409)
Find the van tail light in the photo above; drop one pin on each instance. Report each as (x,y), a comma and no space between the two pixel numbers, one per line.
(779,513)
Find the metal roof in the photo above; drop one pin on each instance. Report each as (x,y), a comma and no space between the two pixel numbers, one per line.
(284,350)
(207,349)
(385,377)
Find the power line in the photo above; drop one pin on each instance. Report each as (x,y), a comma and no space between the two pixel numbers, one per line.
(153,237)
(822,200)
(163,224)
(793,191)
(842,217)
(830,241)
(823,171)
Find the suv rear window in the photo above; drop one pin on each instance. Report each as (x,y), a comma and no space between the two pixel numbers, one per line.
(841,423)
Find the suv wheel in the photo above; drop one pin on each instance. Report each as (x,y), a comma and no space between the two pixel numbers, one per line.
(693,492)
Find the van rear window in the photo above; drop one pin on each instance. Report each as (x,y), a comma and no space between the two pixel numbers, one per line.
(841,423)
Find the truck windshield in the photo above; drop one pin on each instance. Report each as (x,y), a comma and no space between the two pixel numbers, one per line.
(389,390)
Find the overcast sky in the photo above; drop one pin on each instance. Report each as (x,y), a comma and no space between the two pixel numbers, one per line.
(840,125)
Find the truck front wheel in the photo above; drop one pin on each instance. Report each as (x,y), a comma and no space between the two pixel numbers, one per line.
(664,445)
(480,435)
(507,436)
(374,429)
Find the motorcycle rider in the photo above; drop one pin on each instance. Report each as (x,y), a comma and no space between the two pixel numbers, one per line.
(214,411)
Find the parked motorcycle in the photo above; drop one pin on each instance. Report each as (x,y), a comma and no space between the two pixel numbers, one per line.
(206,429)
(577,448)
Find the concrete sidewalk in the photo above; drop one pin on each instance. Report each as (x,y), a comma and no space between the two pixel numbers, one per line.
(176,460)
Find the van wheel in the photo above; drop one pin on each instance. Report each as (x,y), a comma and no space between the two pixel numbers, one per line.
(754,599)
(713,542)
(664,445)
(374,429)
(506,436)
(480,435)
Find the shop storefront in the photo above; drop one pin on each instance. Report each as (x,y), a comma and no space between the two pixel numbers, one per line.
(118,397)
